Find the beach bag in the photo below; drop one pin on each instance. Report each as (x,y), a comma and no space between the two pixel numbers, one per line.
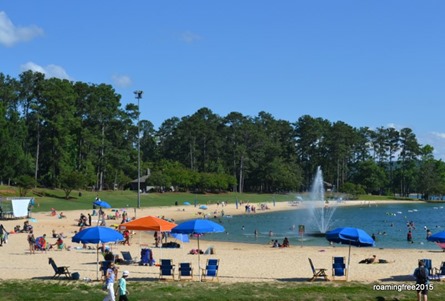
(421,275)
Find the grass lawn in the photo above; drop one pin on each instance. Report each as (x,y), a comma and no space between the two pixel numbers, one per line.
(79,200)
(153,290)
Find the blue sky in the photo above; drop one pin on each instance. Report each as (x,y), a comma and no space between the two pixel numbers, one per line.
(367,63)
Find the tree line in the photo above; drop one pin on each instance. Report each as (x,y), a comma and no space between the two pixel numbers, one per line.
(62,134)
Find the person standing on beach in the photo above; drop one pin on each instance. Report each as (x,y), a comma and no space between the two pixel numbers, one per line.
(3,234)
(31,242)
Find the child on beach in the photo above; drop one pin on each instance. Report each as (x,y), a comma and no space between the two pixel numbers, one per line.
(122,288)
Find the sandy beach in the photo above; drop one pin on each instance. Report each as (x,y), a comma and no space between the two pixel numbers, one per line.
(238,262)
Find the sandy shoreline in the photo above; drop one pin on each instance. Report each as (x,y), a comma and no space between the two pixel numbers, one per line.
(238,262)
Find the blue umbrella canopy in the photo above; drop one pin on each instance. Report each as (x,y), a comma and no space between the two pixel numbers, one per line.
(438,237)
(352,237)
(198,226)
(97,235)
(187,203)
(203,207)
(102,204)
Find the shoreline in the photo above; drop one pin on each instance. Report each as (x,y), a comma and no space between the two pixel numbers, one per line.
(237,259)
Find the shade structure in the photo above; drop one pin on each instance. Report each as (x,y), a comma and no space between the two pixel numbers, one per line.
(148,223)
(439,237)
(97,235)
(187,203)
(203,207)
(181,237)
(198,226)
(102,204)
(352,237)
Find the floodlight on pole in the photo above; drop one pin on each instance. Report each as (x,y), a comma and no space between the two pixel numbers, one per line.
(138,95)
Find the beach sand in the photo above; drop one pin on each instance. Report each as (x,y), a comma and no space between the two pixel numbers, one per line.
(238,262)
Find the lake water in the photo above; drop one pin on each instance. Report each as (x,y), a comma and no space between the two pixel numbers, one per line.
(388,222)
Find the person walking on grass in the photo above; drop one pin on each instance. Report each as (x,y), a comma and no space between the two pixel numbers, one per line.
(122,288)
(422,283)
(109,282)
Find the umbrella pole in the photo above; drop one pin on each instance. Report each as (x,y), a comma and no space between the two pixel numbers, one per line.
(199,260)
(349,261)
(97,262)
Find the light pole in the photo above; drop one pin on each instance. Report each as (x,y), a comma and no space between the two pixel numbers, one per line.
(138,95)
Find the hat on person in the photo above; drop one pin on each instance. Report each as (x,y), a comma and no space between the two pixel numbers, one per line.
(125,273)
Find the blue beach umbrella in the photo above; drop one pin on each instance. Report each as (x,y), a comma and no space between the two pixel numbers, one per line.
(352,237)
(198,226)
(438,237)
(97,235)
(203,207)
(187,203)
(102,204)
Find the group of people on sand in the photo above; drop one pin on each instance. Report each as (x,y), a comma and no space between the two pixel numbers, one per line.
(276,244)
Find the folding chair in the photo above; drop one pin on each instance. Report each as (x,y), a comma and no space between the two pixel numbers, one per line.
(166,268)
(128,259)
(211,270)
(185,271)
(317,273)
(339,268)
(59,270)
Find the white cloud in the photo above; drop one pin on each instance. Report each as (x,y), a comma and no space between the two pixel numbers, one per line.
(122,81)
(11,34)
(49,71)
(190,37)
(437,140)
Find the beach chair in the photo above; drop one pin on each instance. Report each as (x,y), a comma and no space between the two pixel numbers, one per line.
(428,266)
(317,273)
(339,270)
(439,273)
(127,258)
(210,272)
(146,257)
(166,269)
(59,270)
(185,271)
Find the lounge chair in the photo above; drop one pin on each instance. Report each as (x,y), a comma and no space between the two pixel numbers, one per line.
(59,270)
(127,258)
(439,273)
(211,270)
(166,268)
(317,273)
(339,269)
(185,271)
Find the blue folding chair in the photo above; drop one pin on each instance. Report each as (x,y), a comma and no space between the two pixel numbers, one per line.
(429,266)
(185,271)
(166,268)
(339,268)
(211,270)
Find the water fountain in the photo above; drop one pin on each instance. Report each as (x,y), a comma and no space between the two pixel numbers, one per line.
(320,210)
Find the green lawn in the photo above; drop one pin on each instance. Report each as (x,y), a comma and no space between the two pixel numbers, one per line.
(154,290)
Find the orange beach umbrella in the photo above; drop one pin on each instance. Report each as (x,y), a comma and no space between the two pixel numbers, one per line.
(148,223)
